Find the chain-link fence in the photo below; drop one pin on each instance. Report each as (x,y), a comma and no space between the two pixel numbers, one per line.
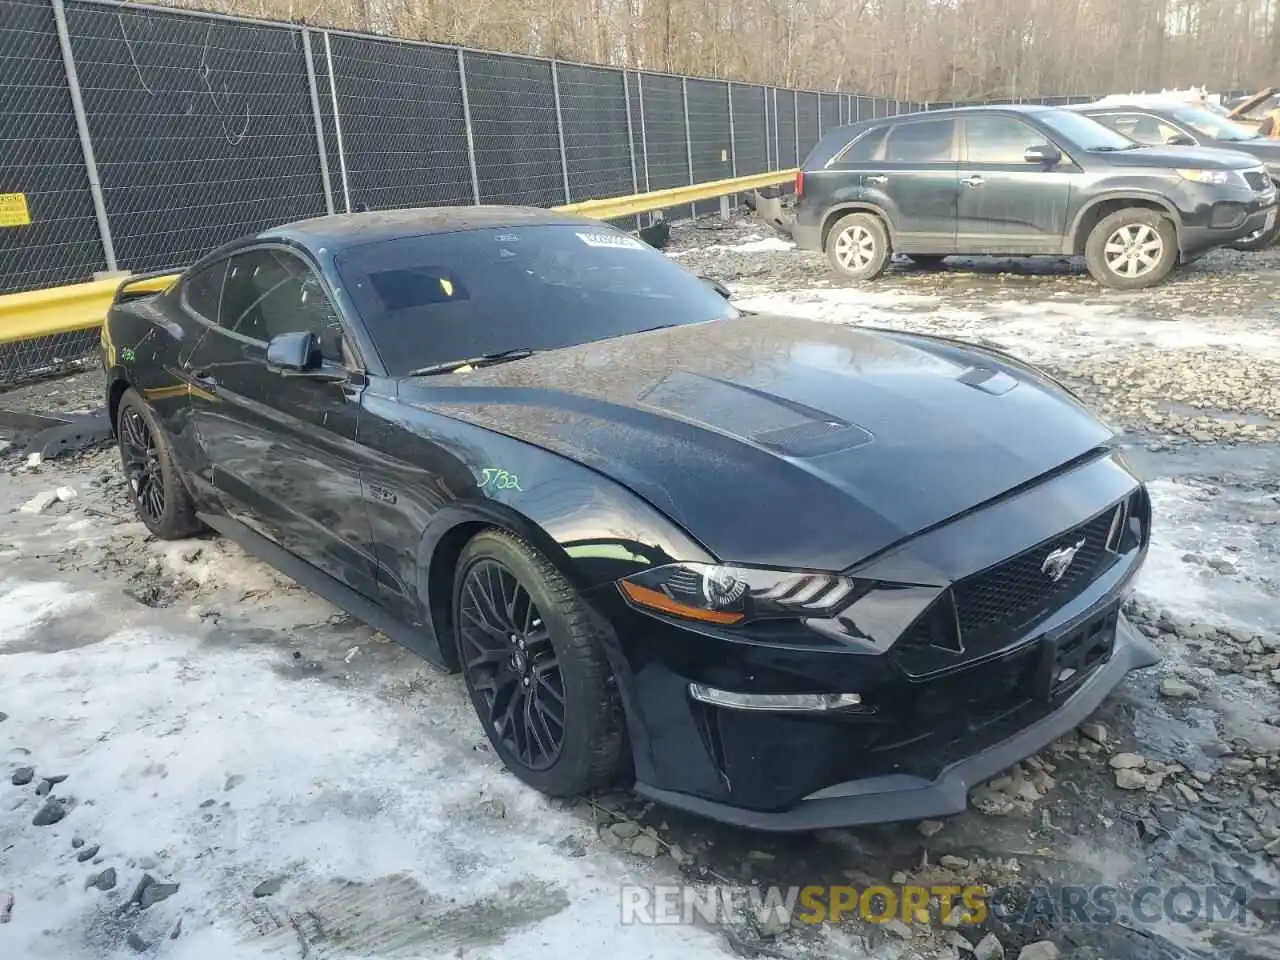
(144,137)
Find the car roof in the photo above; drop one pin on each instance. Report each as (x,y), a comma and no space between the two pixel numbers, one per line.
(342,231)
(980,108)
(1118,104)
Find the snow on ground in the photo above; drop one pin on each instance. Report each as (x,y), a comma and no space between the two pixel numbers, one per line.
(752,244)
(217,757)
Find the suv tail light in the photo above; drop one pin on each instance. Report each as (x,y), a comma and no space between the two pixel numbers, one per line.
(799,182)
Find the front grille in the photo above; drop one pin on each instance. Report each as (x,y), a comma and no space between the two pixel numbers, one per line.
(1019,589)
(1258,181)
(986,611)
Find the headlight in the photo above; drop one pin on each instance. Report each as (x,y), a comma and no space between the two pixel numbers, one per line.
(1205,176)
(728,595)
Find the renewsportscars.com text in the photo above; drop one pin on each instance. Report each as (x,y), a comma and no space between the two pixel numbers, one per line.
(950,905)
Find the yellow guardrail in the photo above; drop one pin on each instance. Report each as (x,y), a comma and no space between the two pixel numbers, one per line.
(83,306)
(613,207)
(79,306)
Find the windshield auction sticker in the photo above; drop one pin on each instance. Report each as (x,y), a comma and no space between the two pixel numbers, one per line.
(610,240)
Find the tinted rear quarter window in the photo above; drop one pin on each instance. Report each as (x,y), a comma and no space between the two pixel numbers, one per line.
(865,149)
(202,291)
(922,141)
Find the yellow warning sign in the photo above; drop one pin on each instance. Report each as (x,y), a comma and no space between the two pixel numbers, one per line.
(13,210)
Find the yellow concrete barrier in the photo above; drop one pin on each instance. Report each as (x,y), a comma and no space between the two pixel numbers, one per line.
(83,306)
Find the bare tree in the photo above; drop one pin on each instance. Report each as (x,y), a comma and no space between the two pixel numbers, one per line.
(909,49)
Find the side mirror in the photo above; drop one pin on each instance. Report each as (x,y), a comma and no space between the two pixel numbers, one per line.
(1045,154)
(718,287)
(294,354)
(1180,140)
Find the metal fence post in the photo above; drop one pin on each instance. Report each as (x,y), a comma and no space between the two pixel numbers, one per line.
(644,133)
(337,123)
(466,120)
(688,142)
(86,142)
(315,111)
(795,99)
(631,138)
(564,157)
(733,149)
(733,137)
(777,143)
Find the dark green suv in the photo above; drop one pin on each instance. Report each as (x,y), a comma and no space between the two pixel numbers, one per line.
(1022,181)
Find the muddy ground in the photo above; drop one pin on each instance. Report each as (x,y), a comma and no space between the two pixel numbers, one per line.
(1175,783)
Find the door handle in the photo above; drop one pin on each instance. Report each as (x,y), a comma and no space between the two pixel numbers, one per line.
(973,181)
(877,179)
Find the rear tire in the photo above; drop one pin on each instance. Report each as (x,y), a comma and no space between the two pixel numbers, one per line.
(1131,249)
(146,456)
(930,261)
(858,246)
(535,666)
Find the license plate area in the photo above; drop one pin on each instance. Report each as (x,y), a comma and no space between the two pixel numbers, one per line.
(1271,219)
(1072,657)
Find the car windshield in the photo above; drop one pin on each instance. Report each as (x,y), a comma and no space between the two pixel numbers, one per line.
(1084,132)
(1212,125)
(441,297)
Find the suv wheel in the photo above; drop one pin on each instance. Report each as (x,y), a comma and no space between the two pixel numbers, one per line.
(1131,249)
(858,246)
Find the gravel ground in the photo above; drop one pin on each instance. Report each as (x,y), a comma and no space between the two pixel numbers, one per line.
(1176,781)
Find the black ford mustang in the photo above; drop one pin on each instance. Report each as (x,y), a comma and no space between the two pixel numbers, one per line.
(782,573)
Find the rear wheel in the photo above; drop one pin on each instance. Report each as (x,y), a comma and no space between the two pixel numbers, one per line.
(1131,249)
(535,667)
(858,246)
(927,260)
(159,495)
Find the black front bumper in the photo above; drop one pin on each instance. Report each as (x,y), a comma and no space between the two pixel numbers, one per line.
(891,797)
(935,716)
(1225,220)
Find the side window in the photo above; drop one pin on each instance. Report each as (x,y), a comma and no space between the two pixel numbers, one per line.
(996,139)
(925,141)
(202,292)
(864,149)
(1141,127)
(270,292)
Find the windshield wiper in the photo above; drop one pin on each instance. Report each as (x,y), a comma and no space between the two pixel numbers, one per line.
(484,360)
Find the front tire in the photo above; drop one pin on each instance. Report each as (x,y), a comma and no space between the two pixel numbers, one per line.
(146,456)
(858,246)
(535,667)
(1131,249)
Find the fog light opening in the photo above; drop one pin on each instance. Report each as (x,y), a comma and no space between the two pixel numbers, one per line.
(777,702)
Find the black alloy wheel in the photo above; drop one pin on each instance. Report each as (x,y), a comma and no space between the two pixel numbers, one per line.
(510,663)
(161,498)
(141,458)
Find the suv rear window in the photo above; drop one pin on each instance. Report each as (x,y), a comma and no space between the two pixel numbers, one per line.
(923,141)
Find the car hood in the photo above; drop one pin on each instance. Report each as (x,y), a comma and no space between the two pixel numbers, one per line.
(1268,151)
(779,440)
(1210,158)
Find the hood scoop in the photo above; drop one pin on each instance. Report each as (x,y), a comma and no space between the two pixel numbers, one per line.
(995,382)
(787,428)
